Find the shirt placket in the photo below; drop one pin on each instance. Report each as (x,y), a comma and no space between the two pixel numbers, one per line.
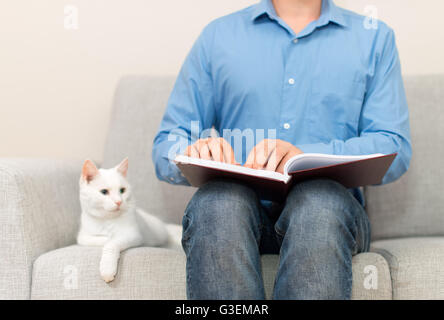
(291,83)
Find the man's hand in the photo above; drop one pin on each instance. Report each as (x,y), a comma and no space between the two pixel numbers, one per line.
(271,155)
(217,149)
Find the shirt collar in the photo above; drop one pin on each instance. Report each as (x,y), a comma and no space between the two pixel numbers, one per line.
(263,7)
(329,12)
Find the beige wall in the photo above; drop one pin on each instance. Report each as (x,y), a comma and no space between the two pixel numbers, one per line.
(56,85)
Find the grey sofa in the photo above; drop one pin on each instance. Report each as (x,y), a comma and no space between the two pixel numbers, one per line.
(39,213)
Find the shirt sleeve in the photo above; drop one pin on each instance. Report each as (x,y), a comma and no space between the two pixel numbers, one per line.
(384,123)
(190,109)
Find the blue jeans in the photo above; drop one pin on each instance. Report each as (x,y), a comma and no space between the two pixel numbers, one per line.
(316,232)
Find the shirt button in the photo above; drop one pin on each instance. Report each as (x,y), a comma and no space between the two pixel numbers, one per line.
(295,40)
(291,81)
(286,126)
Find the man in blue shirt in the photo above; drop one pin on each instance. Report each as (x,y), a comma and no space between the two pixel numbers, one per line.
(298,76)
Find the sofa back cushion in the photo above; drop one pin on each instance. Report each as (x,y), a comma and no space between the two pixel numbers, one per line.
(138,107)
(414,205)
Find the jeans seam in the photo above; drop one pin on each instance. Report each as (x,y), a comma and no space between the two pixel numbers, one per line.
(189,290)
(362,246)
(278,231)
(186,237)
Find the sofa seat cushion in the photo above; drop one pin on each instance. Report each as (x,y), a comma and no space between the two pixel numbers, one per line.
(143,273)
(416,266)
(155,273)
(371,277)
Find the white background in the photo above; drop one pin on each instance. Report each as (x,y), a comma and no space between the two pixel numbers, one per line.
(56,85)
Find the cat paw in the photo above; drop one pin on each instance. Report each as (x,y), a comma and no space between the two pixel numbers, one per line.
(108,272)
(108,277)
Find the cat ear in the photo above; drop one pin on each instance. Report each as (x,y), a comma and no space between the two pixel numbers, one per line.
(89,170)
(122,168)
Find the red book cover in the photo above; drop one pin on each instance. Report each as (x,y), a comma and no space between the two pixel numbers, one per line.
(275,186)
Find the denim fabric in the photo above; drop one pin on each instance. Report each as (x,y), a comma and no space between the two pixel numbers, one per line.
(316,232)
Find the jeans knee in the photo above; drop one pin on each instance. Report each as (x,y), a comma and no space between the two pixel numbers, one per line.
(320,193)
(225,190)
(319,212)
(219,209)
(309,226)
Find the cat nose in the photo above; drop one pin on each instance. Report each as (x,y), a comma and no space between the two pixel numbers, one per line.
(118,203)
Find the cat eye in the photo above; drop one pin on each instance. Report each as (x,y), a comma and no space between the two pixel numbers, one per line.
(122,190)
(104,191)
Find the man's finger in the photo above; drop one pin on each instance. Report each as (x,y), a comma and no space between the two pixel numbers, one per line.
(195,151)
(228,152)
(261,156)
(284,160)
(192,152)
(274,160)
(204,150)
(262,153)
(250,159)
(188,151)
(216,149)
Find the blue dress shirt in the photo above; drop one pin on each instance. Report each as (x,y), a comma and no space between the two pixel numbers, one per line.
(333,88)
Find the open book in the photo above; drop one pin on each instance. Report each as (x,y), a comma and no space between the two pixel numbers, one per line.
(351,171)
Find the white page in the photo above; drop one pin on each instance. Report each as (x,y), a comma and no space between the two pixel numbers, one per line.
(306,161)
(232,168)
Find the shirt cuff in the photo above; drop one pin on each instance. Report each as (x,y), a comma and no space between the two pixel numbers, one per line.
(176,176)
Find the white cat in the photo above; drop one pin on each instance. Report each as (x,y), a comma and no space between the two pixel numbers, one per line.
(110,217)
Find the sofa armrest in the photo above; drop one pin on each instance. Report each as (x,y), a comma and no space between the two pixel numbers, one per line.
(39,212)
